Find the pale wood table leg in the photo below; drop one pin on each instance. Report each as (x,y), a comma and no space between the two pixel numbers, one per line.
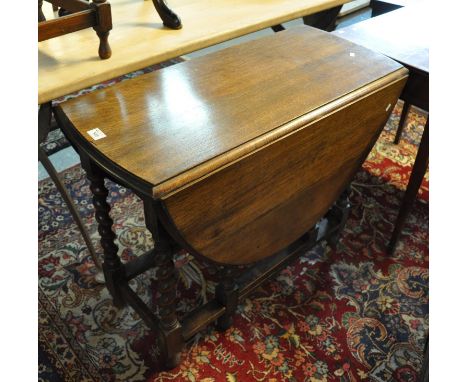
(166,280)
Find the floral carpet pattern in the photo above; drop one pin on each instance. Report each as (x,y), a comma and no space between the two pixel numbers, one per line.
(353,313)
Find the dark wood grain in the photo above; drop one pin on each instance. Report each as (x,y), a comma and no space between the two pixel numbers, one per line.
(224,129)
(403,36)
(71,5)
(261,203)
(78,15)
(169,325)
(66,24)
(176,125)
(237,157)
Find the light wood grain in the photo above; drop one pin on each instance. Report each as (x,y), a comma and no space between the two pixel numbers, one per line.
(138,39)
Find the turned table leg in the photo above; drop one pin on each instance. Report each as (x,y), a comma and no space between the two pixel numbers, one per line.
(227,294)
(102,29)
(112,267)
(166,280)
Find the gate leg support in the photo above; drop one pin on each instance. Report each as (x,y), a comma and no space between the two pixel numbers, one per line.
(170,328)
(227,294)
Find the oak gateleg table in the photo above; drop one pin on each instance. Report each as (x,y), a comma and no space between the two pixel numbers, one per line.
(68,63)
(231,164)
(139,39)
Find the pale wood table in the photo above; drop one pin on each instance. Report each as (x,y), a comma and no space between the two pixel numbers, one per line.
(138,38)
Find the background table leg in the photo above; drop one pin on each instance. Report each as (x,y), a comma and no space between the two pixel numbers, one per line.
(401,123)
(416,178)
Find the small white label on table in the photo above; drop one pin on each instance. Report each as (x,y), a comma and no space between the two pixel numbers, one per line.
(96,134)
(388,107)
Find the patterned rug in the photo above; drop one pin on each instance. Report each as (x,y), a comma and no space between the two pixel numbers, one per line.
(350,314)
(56,141)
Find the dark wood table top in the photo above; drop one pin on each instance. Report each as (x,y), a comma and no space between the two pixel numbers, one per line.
(175,125)
(402,34)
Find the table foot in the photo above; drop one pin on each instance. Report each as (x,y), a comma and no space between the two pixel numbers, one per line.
(104,50)
(104,17)
(169,18)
